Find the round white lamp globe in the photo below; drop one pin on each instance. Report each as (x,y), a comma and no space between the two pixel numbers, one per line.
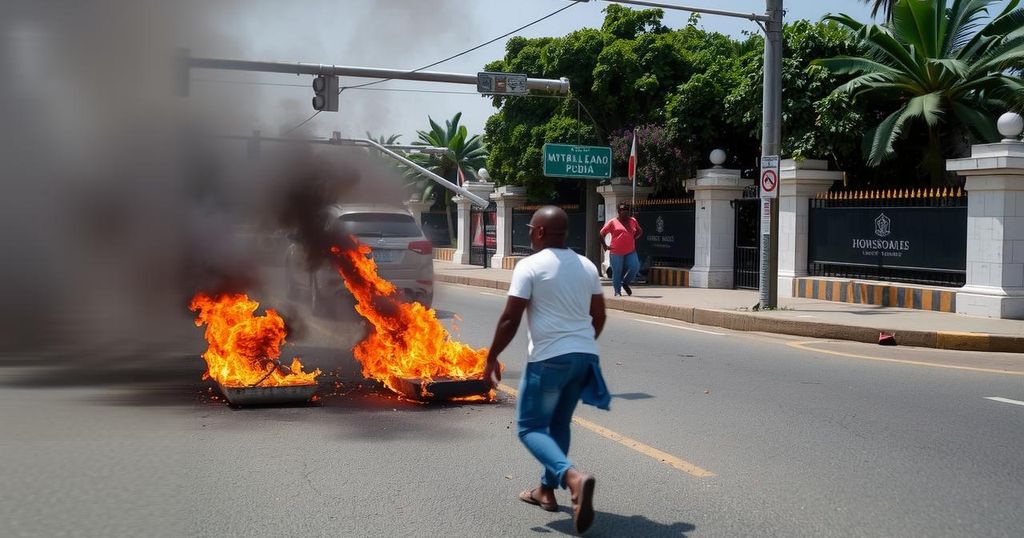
(483,174)
(717,157)
(1010,125)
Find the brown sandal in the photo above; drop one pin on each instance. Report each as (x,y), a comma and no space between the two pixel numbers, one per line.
(583,503)
(527,497)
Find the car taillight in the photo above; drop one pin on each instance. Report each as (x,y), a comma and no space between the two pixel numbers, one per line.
(422,247)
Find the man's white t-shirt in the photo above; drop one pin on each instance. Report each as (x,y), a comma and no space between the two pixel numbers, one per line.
(559,285)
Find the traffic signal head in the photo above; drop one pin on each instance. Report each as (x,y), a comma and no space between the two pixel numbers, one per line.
(325,93)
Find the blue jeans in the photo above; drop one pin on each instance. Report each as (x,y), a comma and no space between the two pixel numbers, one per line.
(632,263)
(548,394)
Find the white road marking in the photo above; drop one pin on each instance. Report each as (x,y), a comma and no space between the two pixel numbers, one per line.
(677,327)
(491,294)
(1004,400)
(805,346)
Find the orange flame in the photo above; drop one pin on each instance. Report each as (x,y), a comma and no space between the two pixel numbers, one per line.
(244,348)
(407,341)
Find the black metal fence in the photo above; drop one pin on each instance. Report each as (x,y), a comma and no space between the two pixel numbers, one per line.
(668,227)
(913,236)
(435,227)
(576,239)
(667,240)
(483,235)
(520,233)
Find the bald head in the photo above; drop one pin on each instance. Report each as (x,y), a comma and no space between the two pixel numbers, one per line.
(552,218)
(548,228)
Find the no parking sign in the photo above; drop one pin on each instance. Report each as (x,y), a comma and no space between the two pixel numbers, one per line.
(770,176)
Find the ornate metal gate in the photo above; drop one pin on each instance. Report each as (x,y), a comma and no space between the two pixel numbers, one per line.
(483,235)
(746,261)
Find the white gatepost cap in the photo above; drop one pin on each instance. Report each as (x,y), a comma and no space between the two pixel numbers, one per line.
(717,157)
(1010,125)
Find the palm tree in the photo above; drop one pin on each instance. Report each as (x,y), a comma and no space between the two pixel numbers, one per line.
(384,140)
(948,67)
(465,152)
(883,6)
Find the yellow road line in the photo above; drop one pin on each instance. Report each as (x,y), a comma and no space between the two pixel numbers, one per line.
(647,450)
(803,346)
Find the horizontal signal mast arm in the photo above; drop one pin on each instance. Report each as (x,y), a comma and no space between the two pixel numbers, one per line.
(558,86)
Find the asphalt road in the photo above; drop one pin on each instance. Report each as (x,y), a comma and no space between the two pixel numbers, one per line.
(711,433)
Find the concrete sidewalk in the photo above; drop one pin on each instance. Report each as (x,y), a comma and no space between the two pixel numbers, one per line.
(797,316)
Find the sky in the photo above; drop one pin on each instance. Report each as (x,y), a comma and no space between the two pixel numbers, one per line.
(407,34)
(86,50)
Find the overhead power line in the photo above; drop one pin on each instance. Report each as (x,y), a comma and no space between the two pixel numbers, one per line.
(467,51)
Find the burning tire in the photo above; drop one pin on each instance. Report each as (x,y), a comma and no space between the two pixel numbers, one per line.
(244,350)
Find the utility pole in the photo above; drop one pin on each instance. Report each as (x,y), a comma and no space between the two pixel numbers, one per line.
(771,137)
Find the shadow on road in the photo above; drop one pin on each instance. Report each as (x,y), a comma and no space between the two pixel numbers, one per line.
(139,366)
(368,410)
(633,396)
(609,524)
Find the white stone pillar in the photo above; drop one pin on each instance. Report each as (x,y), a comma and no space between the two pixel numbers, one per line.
(800,181)
(506,199)
(417,208)
(462,229)
(715,226)
(620,190)
(995,228)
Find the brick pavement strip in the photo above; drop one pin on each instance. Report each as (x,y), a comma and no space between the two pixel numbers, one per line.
(764,322)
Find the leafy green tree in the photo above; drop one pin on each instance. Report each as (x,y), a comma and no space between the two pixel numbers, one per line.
(465,152)
(696,110)
(659,159)
(705,88)
(620,74)
(817,124)
(944,70)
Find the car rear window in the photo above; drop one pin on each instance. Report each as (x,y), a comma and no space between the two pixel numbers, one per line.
(388,224)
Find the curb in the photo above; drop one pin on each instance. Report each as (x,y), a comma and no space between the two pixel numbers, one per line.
(743,321)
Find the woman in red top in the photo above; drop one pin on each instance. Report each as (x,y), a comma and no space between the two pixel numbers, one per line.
(624,230)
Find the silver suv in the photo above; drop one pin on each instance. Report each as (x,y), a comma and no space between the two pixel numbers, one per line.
(403,254)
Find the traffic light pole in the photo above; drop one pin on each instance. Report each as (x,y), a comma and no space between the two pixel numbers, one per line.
(189,62)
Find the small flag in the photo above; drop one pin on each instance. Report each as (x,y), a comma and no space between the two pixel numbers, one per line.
(462,177)
(632,160)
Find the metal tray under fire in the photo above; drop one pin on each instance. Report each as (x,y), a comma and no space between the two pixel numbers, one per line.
(443,389)
(242,396)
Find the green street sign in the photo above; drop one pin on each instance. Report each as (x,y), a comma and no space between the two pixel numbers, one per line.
(571,161)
